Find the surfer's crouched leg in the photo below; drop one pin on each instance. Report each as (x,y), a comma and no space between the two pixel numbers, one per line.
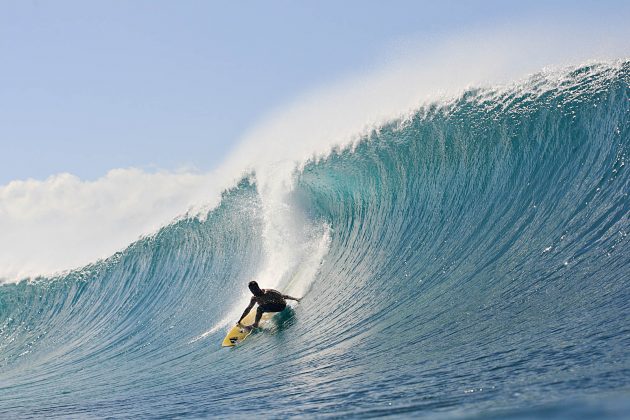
(267,308)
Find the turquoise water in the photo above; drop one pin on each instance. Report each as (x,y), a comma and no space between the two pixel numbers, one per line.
(469,261)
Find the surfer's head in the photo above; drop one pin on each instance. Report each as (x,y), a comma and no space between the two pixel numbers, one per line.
(254,288)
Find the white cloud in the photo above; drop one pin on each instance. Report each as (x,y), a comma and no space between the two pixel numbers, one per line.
(64,222)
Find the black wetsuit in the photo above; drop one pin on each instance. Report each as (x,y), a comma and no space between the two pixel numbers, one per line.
(270,301)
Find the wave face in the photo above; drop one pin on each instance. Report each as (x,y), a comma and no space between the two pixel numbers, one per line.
(469,260)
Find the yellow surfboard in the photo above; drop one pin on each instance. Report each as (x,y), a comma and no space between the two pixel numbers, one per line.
(238,334)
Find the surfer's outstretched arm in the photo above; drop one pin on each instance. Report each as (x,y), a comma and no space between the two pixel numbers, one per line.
(252,302)
(291,298)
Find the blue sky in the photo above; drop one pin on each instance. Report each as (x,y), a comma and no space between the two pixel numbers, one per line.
(90,86)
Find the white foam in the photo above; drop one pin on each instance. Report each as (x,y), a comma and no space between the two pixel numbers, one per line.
(222,324)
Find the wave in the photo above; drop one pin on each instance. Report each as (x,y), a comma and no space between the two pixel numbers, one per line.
(472,257)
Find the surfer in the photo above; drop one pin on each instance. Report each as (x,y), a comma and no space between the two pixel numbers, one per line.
(268,300)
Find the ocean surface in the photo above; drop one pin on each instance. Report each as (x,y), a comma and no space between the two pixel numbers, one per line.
(470,260)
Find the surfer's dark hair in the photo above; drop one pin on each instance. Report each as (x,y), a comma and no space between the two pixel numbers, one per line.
(254,288)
